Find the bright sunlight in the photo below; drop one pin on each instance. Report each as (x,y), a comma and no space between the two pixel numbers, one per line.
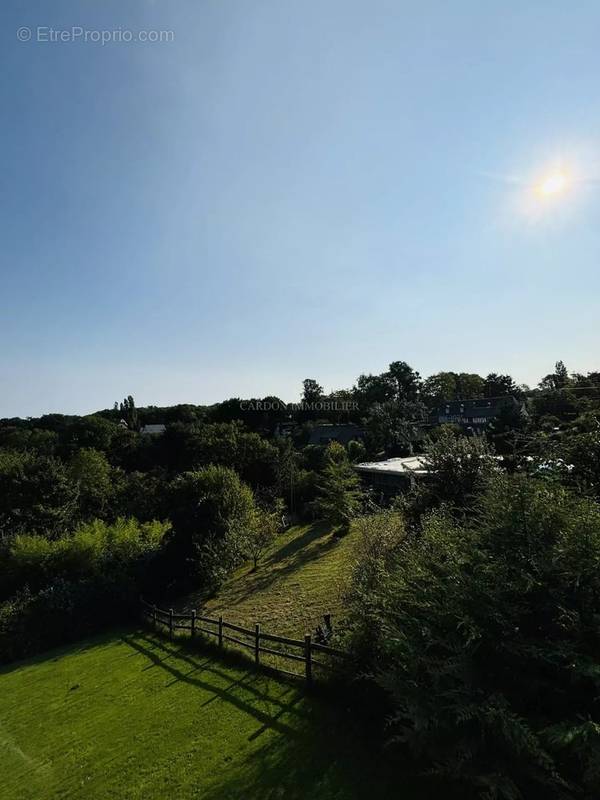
(553,184)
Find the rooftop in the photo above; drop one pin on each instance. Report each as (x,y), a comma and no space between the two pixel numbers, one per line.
(410,465)
(153,430)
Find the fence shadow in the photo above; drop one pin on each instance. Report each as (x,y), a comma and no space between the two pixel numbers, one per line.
(328,759)
(205,672)
(308,745)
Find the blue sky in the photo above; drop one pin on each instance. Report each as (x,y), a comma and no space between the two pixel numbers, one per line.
(293,189)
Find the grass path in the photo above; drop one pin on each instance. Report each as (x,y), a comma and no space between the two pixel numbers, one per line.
(131,716)
(300,578)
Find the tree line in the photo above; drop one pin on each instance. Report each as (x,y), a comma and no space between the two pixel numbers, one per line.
(484,571)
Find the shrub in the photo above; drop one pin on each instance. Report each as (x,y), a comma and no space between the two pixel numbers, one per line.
(375,550)
(64,589)
(95,548)
(211,510)
(63,612)
(486,635)
(458,467)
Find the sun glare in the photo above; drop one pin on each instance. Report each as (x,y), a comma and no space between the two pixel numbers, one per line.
(552,184)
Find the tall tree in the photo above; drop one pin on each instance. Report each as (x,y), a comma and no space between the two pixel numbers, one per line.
(498,385)
(129,413)
(406,379)
(340,495)
(559,379)
(375,389)
(312,391)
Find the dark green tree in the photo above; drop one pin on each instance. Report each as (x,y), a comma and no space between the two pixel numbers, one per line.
(340,495)
(406,379)
(211,511)
(93,474)
(497,385)
(129,413)
(37,495)
(312,391)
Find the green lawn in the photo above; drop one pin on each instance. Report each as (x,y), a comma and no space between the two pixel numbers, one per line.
(130,715)
(300,578)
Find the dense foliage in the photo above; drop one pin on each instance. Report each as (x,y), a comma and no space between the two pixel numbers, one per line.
(58,590)
(212,511)
(485,633)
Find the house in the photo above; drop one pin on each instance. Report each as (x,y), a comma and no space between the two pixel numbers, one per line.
(323,434)
(285,429)
(153,430)
(473,415)
(392,475)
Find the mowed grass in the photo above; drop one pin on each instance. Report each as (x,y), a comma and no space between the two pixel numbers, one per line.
(299,579)
(131,715)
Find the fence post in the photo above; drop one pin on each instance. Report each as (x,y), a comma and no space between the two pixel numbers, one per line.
(154,616)
(308,657)
(193,629)
(220,631)
(170,623)
(257,644)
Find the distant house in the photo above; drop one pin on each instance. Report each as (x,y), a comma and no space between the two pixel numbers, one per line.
(473,415)
(392,475)
(153,430)
(284,429)
(323,434)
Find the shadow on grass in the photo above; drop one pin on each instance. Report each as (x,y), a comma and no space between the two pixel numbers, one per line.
(184,665)
(289,559)
(316,531)
(286,560)
(329,758)
(317,750)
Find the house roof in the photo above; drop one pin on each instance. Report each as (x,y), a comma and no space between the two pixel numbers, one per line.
(153,429)
(411,465)
(483,406)
(341,433)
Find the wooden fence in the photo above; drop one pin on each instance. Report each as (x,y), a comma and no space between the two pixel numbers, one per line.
(299,650)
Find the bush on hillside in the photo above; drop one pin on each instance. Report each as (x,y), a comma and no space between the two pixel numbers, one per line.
(211,512)
(93,549)
(458,469)
(61,590)
(379,537)
(64,612)
(486,635)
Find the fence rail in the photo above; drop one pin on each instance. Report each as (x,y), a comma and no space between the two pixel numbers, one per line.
(255,637)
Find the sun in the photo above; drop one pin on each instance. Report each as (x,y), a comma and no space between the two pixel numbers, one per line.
(552,184)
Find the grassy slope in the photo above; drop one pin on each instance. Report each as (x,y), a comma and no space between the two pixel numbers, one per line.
(299,579)
(133,716)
